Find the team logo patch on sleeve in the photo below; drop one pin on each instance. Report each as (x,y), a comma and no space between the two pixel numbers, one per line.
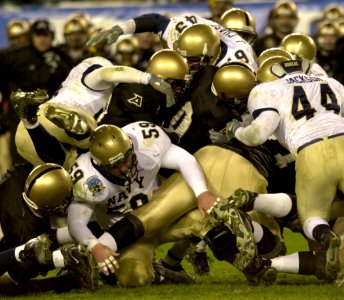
(136,100)
(94,185)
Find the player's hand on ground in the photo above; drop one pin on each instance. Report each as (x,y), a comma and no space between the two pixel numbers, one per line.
(105,258)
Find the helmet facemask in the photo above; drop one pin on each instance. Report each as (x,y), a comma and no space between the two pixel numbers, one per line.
(114,172)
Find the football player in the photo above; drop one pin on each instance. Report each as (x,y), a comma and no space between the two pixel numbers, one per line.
(71,114)
(29,201)
(200,40)
(118,175)
(309,122)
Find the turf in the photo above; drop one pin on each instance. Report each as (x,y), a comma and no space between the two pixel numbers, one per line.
(226,283)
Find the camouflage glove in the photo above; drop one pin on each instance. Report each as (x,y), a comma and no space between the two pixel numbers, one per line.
(231,128)
(217,136)
(163,87)
(108,36)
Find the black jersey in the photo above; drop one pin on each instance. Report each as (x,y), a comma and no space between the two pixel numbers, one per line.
(17,221)
(133,102)
(272,160)
(209,111)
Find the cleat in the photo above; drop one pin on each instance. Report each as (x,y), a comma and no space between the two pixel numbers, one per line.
(26,104)
(260,273)
(164,275)
(240,199)
(340,279)
(68,120)
(37,249)
(79,261)
(240,225)
(331,242)
(200,262)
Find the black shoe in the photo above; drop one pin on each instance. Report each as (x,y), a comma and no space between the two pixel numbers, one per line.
(260,272)
(200,262)
(331,242)
(68,120)
(79,261)
(26,104)
(166,276)
(37,249)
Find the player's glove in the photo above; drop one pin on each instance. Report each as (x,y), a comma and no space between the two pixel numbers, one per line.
(217,136)
(108,36)
(231,128)
(163,87)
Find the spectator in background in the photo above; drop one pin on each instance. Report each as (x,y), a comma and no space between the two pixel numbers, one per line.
(149,43)
(218,7)
(37,65)
(75,37)
(326,39)
(282,21)
(127,52)
(18,35)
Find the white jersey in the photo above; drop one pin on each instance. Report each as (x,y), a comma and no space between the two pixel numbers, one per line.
(74,92)
(309,107)
(233,47)
(111,201)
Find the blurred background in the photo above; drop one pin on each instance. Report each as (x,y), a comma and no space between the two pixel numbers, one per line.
(105,13)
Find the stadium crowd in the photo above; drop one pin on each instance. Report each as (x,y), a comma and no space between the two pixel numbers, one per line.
(194,131)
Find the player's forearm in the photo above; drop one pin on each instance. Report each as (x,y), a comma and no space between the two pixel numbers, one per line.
(105,77)
(259,130)
(77,220)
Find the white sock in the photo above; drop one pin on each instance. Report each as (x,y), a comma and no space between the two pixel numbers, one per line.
(108,240)
(258,231)
(200,247)
(58,259)
(287,264)
(310,224)
(28,125)
(63,236)
(17,251)
(278,205)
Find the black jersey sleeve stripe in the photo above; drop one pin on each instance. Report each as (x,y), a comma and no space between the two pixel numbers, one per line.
(257,112)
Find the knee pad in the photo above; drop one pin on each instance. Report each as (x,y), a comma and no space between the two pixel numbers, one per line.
(222,242)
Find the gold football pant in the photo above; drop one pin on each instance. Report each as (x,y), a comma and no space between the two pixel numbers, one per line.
(26,147)
(172,213)
(319,172)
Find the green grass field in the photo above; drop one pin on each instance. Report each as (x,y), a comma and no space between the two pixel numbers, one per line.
(226,283)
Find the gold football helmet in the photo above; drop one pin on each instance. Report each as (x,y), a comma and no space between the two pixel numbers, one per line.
(327,34)
(274,51)
(113,154)
(200,44)
(72,26)
(218,7)
(284,8)
(48,188)
(83,18)
(333,12)
(172,67)
(340,23)
(264,73)
(127,51)
(234,80)
(240,21)
(16,27)
(302,45)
